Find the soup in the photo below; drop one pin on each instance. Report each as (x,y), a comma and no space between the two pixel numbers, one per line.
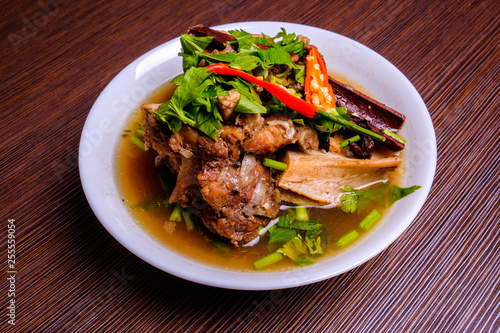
(143,193)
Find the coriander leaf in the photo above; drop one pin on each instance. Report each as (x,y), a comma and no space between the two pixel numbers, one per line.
(245,62)
(293,248)
(314,245)
(379,194)
(281,235)
(192,84)
(349,202)
(399,193)
(300,73)
(289,42)
(302,260)
(246,105)
(286,221)
(191,44)
(342,111)
(209,122)
(221,57)
(240,33)
(274,56)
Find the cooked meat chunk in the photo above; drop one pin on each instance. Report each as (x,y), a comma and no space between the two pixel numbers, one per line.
(186,187)
(277,133)
(158,139)
(307,138)
(236,227)
(237,195)
(185,141)
(158,132)
(250,122)
(228,103)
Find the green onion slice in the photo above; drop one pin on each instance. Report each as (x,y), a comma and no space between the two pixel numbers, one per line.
(370,220)
(345,143)
(268,260)
(394,135)
(347,239)
(274,164)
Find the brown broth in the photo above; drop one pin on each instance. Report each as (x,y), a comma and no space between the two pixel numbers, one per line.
(143,194)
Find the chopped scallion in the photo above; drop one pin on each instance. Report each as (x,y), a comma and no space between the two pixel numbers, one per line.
(274,164)
(268,260)
(347,239)
(345,143)
(301,214)
(393,135)
(176,215)
(370,220)
(188,219)
(139,132)
(135,140)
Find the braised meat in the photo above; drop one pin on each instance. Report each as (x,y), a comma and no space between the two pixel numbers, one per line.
(224,179)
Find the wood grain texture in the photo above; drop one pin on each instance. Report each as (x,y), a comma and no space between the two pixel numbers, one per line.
(441,275)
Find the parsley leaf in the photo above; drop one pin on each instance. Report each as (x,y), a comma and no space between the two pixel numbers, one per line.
(379,194)
(399,193)
(191,44)
(188,105)
(246,105)
(281,235)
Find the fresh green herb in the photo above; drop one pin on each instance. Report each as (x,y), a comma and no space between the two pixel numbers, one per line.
(138,142)
(399,192)
(192,44)
(304,260)
(314,245)
(312,228)
(347,239)
(281,235)
(274,164)
(370,220)
(247,105)
(380,194)
(345,143)
(349,200)
(301,238)
(188,107)
(245,62)
(286,221)
(294,247)
(268,260)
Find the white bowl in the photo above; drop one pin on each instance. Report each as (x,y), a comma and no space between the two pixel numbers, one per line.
(348,59)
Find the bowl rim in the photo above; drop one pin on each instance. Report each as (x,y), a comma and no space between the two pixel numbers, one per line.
(101,191)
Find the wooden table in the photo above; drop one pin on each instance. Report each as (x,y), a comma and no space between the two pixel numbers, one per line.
(441,275)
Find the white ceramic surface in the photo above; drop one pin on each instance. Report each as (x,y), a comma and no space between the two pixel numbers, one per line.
(344,57)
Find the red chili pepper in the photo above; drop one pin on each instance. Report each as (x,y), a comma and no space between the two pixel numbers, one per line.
(316,82)
(293,102)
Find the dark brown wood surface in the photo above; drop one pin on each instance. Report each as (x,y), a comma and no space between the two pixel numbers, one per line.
(441,275)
